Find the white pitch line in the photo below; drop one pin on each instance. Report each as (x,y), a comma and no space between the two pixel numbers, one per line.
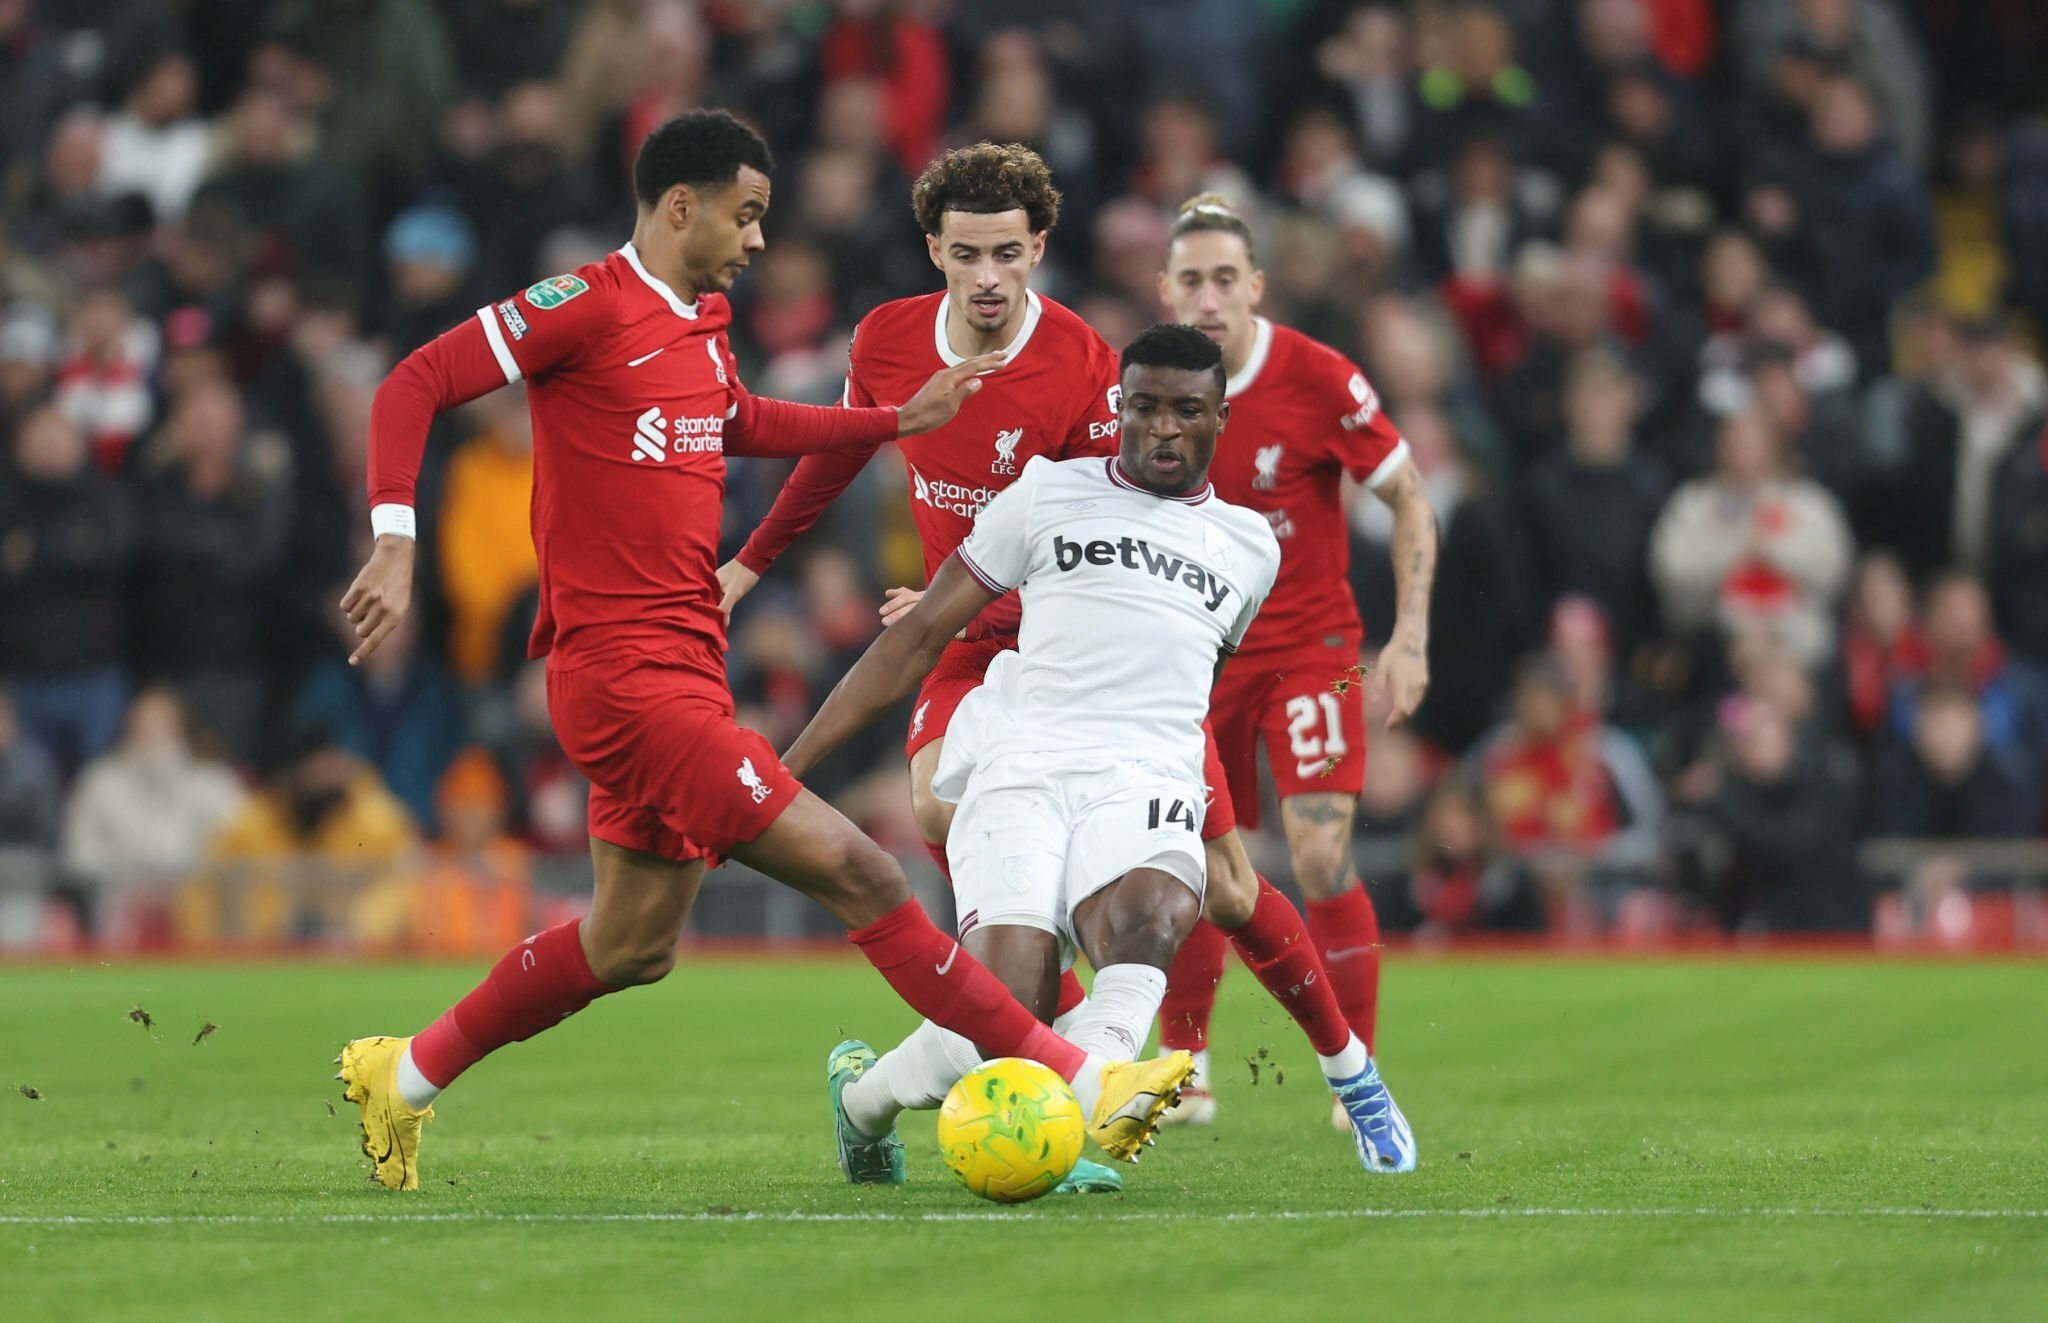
(480,1217)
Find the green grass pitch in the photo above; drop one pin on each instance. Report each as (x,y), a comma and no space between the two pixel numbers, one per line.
(1724,1139)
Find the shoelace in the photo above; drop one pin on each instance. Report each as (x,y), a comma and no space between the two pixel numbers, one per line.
(1373,1095)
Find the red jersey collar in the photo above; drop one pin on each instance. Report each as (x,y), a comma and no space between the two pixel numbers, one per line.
(657,284)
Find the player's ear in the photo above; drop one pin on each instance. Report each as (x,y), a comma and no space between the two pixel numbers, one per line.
(1222,416)
(1038,248)
(679,205)
(931,248)
(1165,292)
(1258,287)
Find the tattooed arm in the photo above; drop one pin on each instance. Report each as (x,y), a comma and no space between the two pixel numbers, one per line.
(1403,670)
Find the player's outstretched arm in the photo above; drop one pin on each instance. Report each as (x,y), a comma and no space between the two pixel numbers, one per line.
(893,664)
(1403,670)
(455,368)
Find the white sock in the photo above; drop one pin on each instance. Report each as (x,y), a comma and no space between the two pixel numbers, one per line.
(915,1075)
(1118,1015)
(1088,1084)
(1062,1024)
(1346,1064)
(1200,1079)
(415,1088)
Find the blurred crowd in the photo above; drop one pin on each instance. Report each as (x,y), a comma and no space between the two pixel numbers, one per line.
(1714,326)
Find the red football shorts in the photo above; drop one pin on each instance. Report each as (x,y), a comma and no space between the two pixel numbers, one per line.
(1308,706)
(959,672)
(671,772)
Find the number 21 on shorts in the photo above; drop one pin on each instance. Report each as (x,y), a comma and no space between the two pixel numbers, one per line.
(1313,751)
(1177,814)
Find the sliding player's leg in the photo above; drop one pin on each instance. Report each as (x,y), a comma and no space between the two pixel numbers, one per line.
(1192,983)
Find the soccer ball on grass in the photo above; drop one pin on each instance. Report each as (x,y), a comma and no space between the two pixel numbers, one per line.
(1011,1130)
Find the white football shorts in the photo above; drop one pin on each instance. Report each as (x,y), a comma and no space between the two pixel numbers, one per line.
(1034,837)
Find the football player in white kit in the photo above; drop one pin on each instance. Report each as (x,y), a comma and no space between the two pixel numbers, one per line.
(1077,765)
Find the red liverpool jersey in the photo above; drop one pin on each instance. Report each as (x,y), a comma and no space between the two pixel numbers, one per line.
(1302,416)
(1056,396)
(635,402)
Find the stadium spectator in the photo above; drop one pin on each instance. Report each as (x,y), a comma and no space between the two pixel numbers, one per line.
(65,537)
(1786,808)
(103,381)
(429,251)
(157,146)
(1460,879)
(474,894)
(398,712)
(1574,799)
(274,183)
(1749,547)
(2019,554)
(148,808)
(1964,650)
(1592,502)
(213,518)
(1369,59)
(28,361)
(313,851)
(28,787)
(1995,401)
(1947,782)
(1882,646)
(487,559)
(525,186)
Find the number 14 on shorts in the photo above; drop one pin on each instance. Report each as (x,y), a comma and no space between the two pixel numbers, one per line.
(1177,813)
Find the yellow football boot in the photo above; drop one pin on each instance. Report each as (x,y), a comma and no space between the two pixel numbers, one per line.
(391,1128)
(1134,1096)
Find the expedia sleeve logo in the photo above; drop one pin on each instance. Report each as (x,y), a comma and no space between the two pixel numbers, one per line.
(1137,554)
(1368,402)
(1115,400)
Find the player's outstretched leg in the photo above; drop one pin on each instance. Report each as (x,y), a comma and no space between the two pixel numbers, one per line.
(1274,944)
(812,848)
(1191,987)
(628,938)
(867,1159)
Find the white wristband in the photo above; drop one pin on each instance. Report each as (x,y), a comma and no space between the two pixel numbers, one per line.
(392,518)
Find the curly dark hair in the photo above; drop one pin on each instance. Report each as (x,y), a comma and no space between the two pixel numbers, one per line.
(985,178)
(701,148)
(1175,345)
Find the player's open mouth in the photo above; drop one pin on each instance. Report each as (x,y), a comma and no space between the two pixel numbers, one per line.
(989,306)
(1169,460)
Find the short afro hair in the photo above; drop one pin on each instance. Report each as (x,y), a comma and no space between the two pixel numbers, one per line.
(1175,345)
(702,148)
(986,178)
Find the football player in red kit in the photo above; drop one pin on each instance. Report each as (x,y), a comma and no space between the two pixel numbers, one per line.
(986,211)
(1303,418)
(636,401)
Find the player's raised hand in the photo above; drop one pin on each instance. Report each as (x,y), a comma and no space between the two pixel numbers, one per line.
(381,595)
(1401,677)
(897,602)
(734,582)
(940,398)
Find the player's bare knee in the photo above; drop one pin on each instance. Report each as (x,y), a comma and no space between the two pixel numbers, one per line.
(1142,920)
(934,815)
(1233,890)
(866,883)
(635,963)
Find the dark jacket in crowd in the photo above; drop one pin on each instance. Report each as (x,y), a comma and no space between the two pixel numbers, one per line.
(2019,549)
(1589,533)
(200,568)
(1792,846)
(1908,799)
(63,550)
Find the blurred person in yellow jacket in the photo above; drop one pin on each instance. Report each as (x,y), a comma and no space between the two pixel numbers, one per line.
(473,896)
(487,558)
(321,851)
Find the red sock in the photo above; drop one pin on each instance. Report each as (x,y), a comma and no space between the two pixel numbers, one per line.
(949,987)
(1347,933)
(538,984)
(1191,989)
(1275,947)
(1072,994)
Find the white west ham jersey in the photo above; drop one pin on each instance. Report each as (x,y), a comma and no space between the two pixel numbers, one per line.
(1128,598)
